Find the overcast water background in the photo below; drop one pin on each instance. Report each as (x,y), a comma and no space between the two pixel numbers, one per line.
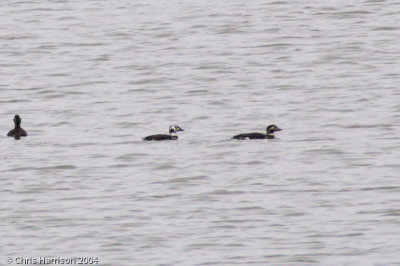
(91,78)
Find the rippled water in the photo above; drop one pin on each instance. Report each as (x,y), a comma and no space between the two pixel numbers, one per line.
(91,78)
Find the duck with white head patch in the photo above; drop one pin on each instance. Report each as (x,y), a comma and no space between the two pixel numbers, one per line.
(172,134)
(270,134)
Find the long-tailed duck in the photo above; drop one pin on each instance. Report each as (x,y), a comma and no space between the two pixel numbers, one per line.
(172,134)
(270,134)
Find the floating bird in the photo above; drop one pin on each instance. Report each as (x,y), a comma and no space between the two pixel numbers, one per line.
(270,134)
(18,131)
(172,134)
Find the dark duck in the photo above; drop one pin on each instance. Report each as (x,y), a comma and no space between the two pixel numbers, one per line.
(270,134)
(18,131)
(172,134)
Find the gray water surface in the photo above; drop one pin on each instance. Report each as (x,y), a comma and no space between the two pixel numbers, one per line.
(91,78)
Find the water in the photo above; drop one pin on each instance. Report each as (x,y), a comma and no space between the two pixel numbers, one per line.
(91,78)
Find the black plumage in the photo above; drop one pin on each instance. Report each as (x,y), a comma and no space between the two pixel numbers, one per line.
(18,131)
(160,137)
(270,134)
(172,134)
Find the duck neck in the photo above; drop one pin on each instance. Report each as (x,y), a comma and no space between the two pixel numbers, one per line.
(172,132)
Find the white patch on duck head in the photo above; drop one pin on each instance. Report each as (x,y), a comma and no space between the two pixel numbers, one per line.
(174,128)
(271,129)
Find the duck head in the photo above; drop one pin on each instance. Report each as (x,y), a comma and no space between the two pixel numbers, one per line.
(174,128)
(271,129)
(17,121)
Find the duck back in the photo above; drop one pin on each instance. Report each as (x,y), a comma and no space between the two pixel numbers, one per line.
(160,137)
